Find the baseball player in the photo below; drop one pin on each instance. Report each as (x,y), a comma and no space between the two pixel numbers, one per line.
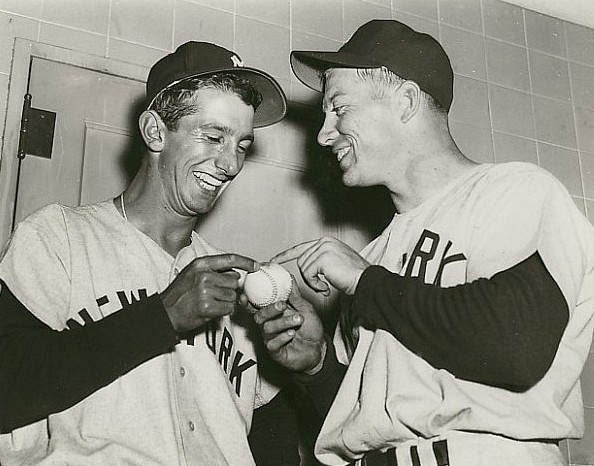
(470,317)
(190,398)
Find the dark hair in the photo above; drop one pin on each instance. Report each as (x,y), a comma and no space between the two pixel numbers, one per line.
(179,100)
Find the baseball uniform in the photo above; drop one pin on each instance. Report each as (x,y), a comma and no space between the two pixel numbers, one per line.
(489,220)
(192,405)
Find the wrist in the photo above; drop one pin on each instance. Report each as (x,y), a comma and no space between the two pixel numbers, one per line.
(350,291)
(318,367)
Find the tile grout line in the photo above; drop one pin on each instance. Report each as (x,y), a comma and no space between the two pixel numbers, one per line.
(108,34)
(574,115)
(488,81)
(531,89)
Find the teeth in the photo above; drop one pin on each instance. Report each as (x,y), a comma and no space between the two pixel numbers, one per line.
(206,181)
(341,153)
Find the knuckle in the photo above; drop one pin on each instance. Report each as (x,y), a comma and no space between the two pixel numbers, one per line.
(203,279)
(267,328)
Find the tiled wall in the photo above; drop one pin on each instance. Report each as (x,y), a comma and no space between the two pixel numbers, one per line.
(524,81)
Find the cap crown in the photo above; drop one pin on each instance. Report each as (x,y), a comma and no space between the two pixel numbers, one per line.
(190,59)
(194,59)
(393,45)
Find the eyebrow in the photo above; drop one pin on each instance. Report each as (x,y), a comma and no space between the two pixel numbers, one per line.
(328,99)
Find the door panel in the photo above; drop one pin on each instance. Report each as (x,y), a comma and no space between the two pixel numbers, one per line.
(104,173)
(77,96)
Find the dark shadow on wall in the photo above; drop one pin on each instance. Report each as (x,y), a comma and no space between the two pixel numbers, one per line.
(132,155)
(368,209)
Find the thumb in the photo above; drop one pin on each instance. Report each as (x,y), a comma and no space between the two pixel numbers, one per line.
(318,283)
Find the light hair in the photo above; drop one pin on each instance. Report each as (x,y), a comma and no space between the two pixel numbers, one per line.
(384,83)
(179,100)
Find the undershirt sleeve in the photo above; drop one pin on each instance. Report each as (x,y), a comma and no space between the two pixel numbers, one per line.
(503,331)
(45,371)
(323,386)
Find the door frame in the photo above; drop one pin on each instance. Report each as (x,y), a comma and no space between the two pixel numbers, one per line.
(24,52)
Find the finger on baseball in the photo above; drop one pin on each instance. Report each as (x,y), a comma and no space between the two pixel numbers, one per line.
(225,262)
(269,312)
(276,343)
(293,252)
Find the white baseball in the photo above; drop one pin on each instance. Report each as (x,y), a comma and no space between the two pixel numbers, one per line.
(267,285)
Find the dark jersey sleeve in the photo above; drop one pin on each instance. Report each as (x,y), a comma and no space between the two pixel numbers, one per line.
(44,371)
(503,331)
(322,387)
(273,436)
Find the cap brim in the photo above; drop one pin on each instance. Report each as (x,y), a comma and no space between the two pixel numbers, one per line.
(274,103)
(309,66)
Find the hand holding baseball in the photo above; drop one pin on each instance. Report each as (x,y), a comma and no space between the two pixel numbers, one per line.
(326,259)
(293,332)
(207,288)
(267,285)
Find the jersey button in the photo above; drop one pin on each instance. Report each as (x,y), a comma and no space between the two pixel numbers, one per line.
(192,426)
(182,371)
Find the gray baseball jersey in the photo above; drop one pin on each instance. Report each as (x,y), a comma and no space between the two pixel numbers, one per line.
(190,406)
(491,218)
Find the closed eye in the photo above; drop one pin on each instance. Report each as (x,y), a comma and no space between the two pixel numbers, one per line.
(214,139)
(243,149)
(339,109)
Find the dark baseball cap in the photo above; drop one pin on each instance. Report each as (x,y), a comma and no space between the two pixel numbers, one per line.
(194,59)
(384,43)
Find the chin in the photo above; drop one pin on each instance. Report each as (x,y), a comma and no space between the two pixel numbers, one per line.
(349,181)
(201,208)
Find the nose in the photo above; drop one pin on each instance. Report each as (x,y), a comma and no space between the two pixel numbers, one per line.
(328,132)
(230,160)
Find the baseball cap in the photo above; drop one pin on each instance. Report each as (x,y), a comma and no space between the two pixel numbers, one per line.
(194,59)
(384,43)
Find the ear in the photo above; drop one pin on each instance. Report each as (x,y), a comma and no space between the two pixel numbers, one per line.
(411,98)
(152,130)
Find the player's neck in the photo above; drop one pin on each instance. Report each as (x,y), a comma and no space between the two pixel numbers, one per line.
(428,175)
(142,207)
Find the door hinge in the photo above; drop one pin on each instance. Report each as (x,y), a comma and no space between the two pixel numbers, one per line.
(36,136)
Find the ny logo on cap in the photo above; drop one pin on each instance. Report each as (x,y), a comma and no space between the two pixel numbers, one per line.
(236,61)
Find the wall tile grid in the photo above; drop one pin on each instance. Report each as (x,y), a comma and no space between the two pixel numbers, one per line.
(524,81)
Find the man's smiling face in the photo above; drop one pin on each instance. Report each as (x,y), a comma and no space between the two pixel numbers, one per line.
(206,151)
(359,129)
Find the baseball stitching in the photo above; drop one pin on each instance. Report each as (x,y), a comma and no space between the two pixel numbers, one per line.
(274,289)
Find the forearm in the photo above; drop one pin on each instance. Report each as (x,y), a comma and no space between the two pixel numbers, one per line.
(502,331)
(45,371)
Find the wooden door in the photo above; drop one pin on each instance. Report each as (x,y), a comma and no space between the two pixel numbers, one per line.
(94,124)
(94,100)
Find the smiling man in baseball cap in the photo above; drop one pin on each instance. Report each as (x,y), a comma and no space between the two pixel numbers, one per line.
(171,379)
(470,316)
